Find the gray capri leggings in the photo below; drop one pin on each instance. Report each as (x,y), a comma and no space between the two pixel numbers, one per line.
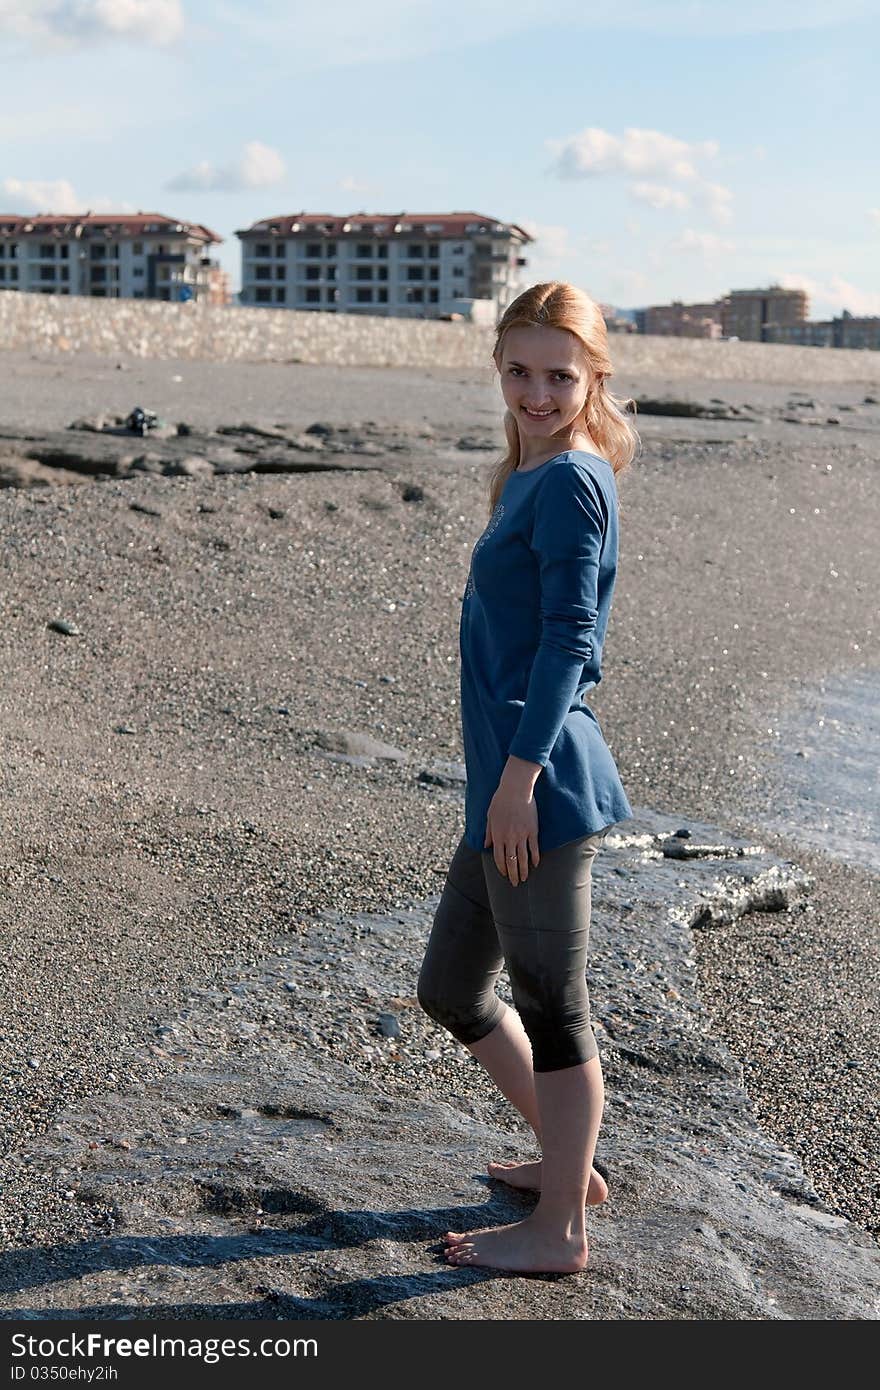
(539,929)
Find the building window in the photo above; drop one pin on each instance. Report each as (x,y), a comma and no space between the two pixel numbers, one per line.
(138,270)
(99,273)
(47,250)
(262,295)
(2,272)
(280,249)
(313,272)
(457,271)
(138,294)
(382,251)
(262,248)
(434,272)
(363,272)
(97,251)
(313,248)
(13,272)
(313,296)
(382,296)
(363,248)
(363,296)
(415,296)
(415,249)
(382,272)
(262,272)
(415,272)
(279,294)
(433,296)
(280,272)
(434,250)
(65,272)
(458,250)
(47,272)
(331,273)
(65,251)
(331,248)
(137,248)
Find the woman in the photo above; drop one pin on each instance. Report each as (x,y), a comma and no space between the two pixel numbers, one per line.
(542,786)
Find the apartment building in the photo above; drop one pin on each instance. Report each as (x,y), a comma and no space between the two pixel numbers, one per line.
(847,331)
(754,315)
(402,265)
(141,255)
(810,333)
(678,320)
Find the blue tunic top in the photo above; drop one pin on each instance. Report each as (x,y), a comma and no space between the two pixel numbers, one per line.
(533,622)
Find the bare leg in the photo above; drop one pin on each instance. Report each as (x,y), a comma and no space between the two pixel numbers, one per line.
(506,1053)
(553,1237)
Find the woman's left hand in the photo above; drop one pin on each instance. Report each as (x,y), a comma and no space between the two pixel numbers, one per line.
(512,821)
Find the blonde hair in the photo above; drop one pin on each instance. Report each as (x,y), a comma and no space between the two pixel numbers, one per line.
(557,304)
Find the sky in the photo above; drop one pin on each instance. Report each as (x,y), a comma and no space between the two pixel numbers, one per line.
(655,151)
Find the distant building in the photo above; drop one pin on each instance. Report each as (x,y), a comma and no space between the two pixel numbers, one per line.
(810,333)
(401,265)
(110,256)
(851,331)
(755,315)
(678,320)
(618,320)
(219,285)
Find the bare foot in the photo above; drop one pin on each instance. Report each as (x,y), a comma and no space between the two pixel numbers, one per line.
(528,1177)
(524,1247)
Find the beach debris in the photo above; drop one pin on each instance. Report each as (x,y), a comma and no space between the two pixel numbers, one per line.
(351,746)
(190,466)
(63,626)
(139,421)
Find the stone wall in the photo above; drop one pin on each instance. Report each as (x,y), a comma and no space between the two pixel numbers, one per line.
(151,328)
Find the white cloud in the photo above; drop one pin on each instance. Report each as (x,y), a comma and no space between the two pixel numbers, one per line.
(54,195)
(53,22)
(647,152)
(664,159)
(552,242)
(852,298)
(828,297)
(359,187)
(659,196)
(258,166)
(35,195)
(874,214)
(716,199)
(706,243)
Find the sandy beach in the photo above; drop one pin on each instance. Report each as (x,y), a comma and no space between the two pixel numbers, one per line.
(173,801)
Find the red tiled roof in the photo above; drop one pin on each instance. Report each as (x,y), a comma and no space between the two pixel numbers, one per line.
(450,224)
(125,224)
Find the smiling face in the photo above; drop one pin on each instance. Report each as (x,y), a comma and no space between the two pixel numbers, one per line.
(544,380)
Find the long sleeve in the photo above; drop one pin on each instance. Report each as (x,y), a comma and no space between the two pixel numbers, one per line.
(569,529)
